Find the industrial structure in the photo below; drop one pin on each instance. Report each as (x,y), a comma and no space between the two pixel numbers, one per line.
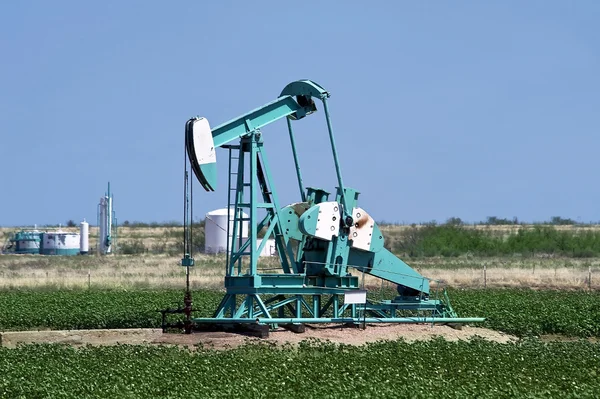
(25,242)
(58,242)
(84,237)
(107,224)
(218,227)
(324,242)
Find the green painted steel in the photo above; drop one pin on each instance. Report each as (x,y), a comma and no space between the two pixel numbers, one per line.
(308,221)
(27,242)
(343,320)
(319,241)
(60,251)
(307,89)
(296,161)
(347,207)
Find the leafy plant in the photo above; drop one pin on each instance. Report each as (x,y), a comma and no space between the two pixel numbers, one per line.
(454,239)
(518,312)
(430,369)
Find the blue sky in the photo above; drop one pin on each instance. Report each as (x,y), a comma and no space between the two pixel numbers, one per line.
(440,109)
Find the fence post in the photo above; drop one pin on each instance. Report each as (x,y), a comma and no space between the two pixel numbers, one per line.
(484,275)
(363,280)
(89,279)
(590,276)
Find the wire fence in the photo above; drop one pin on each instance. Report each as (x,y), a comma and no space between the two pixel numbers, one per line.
(485,277)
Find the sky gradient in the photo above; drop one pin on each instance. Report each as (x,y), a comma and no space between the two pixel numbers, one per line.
(440,109)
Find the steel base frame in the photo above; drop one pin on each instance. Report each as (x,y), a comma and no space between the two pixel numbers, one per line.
(274,305)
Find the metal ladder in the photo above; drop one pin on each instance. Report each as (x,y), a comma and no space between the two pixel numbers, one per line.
(236,218)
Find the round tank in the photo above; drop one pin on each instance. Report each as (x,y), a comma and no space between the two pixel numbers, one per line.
(60,243)
(84,242)
(216,230)
(269,249)
(27,242)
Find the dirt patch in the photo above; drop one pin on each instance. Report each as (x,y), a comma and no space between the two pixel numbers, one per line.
(81,337)
(224,340)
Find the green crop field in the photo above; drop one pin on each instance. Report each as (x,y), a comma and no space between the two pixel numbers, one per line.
(557,353)
(518,312)
(392,369)
(437,368)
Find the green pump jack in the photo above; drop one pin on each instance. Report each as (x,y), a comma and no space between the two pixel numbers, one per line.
(320,240)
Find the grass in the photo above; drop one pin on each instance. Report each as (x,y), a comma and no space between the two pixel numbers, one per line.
(574,240)
(113,271)
(157,257)
(163,271)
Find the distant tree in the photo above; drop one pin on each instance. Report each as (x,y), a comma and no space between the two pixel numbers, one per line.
(70,223)
(557,220)
(126,223)
(454,221)
(496,221)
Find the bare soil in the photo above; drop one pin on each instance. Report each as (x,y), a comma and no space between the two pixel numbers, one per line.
(225,340)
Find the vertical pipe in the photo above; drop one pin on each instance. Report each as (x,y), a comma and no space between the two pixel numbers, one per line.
(185,214)
(229,238)
(298,306)
(185,180)
(108,220)
(296,162)
(250,306)
(239,198)
(98,244)
(102,224)
(336,304)
(191,227)
(186,239)
(253,208)
(347,211)
(284,249)
(186,242)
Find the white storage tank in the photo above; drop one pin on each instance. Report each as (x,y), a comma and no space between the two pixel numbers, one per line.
(84,241)
(59,243)
(215,229)
(269,249)
(27,242)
